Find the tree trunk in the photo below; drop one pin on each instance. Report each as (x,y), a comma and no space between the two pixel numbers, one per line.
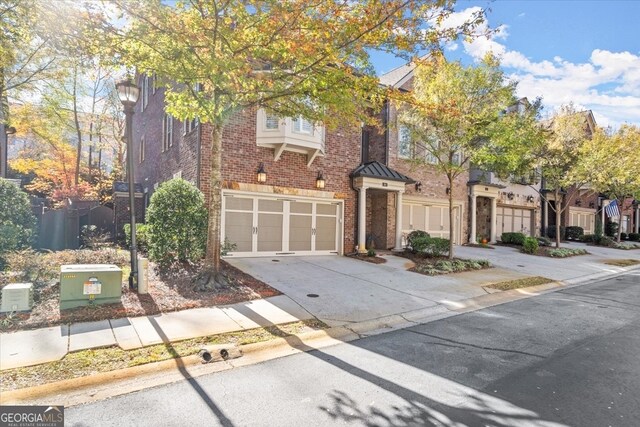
(211,277)
(558,209)
(451,223)
(76,178)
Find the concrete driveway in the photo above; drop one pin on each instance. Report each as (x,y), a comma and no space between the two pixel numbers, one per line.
(565,269)
(350,290)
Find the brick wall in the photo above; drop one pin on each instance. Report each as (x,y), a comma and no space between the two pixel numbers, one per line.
(158,165)
(121,212)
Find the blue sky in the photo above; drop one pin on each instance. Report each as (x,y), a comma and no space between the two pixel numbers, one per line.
(587,52)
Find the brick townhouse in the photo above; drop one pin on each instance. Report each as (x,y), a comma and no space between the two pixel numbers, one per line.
(321,191)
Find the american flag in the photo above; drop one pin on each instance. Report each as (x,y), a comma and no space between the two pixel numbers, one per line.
(612,209)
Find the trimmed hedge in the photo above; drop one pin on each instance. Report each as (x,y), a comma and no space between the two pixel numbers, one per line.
(513,238)
(530,245)
(431,246)
(623,236)
(611,229)
(634,237)
(551,232)
(573,233)
(413,236)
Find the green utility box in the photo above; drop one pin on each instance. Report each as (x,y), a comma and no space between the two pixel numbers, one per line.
(85,284)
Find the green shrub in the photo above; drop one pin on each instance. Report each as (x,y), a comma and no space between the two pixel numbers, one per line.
(411,239)
(530,245)
(437,247)
(611,229)
(565,252)
(513,238)
(634,237)
(544,241)
(446,266)
(551,232)
(371,252)
(573,233)
(142,236)
(606,241)
(430,246)
(17,222)
(177,223)
(590,238)
(623,236)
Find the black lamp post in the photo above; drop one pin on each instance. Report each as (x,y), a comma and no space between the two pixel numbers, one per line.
(4,151)
(128,93)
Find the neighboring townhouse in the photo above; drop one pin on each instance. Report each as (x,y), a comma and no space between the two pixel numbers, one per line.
(503,206)
(424,204)
(584,203)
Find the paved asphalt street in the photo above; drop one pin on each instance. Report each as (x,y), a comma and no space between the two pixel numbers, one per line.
(570,357)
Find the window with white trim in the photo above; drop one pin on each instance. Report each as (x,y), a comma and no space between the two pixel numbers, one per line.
(167,132)
(142,149)
(271,122)
(145,91)
(302,125)
(189,125)
(404,142)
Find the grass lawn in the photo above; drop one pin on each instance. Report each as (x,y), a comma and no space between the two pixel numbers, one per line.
(520,283)
(94,361)
(622,262)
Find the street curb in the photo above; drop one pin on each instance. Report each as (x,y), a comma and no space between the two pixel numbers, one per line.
(81,390)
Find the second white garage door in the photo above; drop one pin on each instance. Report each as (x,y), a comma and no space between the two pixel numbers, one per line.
(434,219)
(261,225)
(513,220)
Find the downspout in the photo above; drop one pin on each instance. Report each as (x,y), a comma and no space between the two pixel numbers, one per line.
(199,161)
(387,119)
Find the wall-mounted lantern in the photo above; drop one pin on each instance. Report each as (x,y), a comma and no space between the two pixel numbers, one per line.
(261,174)
(320,182)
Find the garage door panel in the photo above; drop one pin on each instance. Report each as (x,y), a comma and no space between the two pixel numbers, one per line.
(239,230)
(326,233)
(300,233)
(419,218)
(239,203)
(269,232)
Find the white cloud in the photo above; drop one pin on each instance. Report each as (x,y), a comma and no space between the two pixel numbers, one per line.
(608,82)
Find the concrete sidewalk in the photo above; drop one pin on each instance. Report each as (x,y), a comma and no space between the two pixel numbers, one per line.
(337,290)
(27,348)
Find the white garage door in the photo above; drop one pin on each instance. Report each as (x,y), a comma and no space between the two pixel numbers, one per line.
(512,220)
(264,226)
(434,219)
(586,220)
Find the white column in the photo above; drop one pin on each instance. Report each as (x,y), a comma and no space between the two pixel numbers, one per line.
(472,214)
(398,247)
(638,219)
(494,215)
(602,215)
(362,220)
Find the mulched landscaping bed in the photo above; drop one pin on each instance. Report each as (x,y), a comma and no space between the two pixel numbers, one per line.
(371,259)
(167,292)
(432,266)
(545,251)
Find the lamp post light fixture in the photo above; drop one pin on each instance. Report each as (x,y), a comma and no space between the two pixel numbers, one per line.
(4,150)
(128,93)
(320,182)
(262,175)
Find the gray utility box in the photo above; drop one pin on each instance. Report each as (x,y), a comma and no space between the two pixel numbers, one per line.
(85,284)
(17,297)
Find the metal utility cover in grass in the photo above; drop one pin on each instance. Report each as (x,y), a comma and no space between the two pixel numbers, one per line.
(86,284)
